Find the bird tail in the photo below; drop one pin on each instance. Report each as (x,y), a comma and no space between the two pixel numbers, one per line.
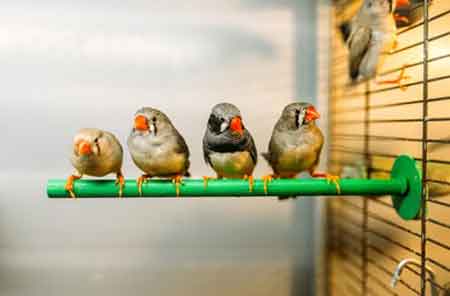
(266,156)
(283,198)
(346,30)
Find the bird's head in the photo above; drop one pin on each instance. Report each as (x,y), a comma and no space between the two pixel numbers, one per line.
(226,119)
(150,121)
(89,142)
(379,7)
(297,115)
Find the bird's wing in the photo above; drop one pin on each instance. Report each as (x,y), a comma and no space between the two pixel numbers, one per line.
(346,29)
(252,149)
(206,151)
(274,151)
(358,44)
(316,163)
(182,148)
(266,156)
(116,150)
(318,146)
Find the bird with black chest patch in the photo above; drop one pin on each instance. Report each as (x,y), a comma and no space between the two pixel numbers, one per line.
(370,35)
(228,147)
(96,153)
(295,145)
(157,148)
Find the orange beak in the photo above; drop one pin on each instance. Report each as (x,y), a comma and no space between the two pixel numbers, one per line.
(236,125)
(311,114)
(140,123)
(84,148)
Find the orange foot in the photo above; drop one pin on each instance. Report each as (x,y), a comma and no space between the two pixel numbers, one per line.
(177,180)
(268,179)
(401,77)
(251,182)
(120,180)
(69,185)
(140,181)
(206,180)
(330,179)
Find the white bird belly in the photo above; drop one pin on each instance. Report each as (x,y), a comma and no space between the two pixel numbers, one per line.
(232,165)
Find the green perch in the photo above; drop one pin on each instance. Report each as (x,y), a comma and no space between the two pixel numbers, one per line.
(405,187)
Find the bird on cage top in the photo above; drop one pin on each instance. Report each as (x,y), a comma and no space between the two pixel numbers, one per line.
(409,12)
(370,35)
(157,148)
(228,147)
(96,153)
(295,145)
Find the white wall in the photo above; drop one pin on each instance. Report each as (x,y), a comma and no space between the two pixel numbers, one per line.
(72,64)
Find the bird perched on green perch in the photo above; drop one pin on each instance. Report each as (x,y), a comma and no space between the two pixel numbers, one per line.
(228,147)
(157,148)
(296,145)
(96,153)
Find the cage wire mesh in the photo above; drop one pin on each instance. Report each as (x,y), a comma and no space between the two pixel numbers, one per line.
(370,125)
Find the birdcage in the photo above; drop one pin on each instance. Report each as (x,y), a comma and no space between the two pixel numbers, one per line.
(373,248)
(370,124)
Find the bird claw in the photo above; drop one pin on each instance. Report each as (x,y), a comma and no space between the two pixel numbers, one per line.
(177,180)
(69,185)
(251,182)
(140,181)
(401,77)
(72,194)
(120,180)
(206,180)
(335,180)
(330,179)
(267,179)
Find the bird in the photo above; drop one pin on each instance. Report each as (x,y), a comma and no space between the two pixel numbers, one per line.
(402,13)
(157,148)
(370,35)
(96,153)
(228,147)
(295,145)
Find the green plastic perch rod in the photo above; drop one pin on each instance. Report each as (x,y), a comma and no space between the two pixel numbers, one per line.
(404,186)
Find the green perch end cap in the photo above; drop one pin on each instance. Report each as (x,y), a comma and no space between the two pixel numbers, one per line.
(408,205)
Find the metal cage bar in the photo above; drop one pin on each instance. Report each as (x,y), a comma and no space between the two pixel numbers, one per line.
(423,245)
(365,131)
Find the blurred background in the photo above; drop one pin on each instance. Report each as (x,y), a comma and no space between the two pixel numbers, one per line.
(72,64)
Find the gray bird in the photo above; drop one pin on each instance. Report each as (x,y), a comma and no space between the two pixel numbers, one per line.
(157,148)
(296,144)
(370,35)
(228,147)
(96,153)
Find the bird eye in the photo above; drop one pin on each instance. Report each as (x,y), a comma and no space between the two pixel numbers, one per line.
(96,140)
(215,123)
(154,119)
